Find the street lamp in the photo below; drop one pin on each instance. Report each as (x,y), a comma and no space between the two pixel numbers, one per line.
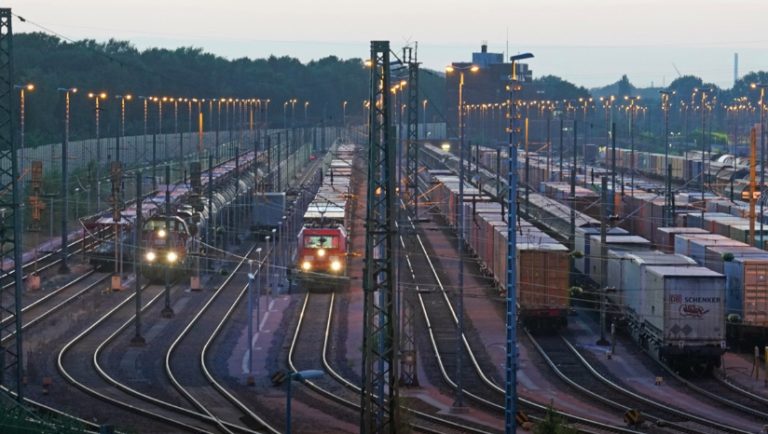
(285,114)
(22,110)
(300,376)
(704,93)
(121,130)
(63,267)
(459,401)
(344,113)
(510,389)
(631,109)
(306,109)
(146,100)
(665,96)
(97,97)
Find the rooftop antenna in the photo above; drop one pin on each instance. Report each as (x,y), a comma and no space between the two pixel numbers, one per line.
(506,53)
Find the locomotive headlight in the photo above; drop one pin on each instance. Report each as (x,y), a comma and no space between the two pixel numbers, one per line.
(306,265)
(321,253)
(336,266)
(161,233)
(172,257)
(150,256)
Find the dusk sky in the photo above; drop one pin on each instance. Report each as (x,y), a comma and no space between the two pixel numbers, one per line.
(589,42)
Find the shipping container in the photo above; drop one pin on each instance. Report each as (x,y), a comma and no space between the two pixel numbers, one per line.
(626,275)
(747,289)
(665,238)
(683,313)
(613,242)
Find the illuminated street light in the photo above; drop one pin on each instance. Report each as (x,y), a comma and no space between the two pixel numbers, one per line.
(459,400)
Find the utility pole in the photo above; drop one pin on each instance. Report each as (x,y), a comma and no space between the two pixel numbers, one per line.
(752,189)
(412,166)
(561,147)
(11,357)
(167,311)
(279,164)
(116,173)
(603,256)
(668,211)
(211,218)
(510,383)
(408,372)
(613,165)
(572,234)
(196,199)
(138,339)
(380,399)
(64,268)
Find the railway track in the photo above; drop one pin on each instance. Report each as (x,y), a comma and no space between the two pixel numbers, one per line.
(724,394)
(69,361)
(313,334)
(481,389)
(577,372)
(230,414)
(37,310)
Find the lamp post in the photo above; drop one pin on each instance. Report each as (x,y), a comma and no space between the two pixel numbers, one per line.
(146,100)
(22,111)
(63,267)
(459,400)
(704,93)
(285,114)
(251,278)
(300,376)
(424,116)
(631,109)
(344,113)
(121,129)
(762,87)
(510,389)
(665,96)
(306,110)
(97,97)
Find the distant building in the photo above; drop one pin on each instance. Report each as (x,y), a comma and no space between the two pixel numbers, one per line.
(486,86)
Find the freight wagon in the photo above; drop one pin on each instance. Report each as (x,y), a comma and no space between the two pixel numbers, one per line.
(682,316)
(542,262)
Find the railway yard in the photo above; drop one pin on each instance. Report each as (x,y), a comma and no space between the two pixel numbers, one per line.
(373,271)
(192,371)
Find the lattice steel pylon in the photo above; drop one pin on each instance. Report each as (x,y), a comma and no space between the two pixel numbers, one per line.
(412,156)
(10,218)
(379,396)
(408,360)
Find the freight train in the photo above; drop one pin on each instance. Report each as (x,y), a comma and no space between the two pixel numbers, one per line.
(672,306)
(185,222)
(542,270)
(322,243)
(166,241)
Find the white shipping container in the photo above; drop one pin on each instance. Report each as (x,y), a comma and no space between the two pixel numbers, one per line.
(685,305)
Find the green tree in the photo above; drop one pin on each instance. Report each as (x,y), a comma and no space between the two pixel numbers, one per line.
(555,88)
(118,67)
(553,423)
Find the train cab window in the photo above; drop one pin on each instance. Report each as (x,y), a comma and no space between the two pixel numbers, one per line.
(320,242)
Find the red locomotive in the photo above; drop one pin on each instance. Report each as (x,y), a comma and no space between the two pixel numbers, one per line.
(322,242)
